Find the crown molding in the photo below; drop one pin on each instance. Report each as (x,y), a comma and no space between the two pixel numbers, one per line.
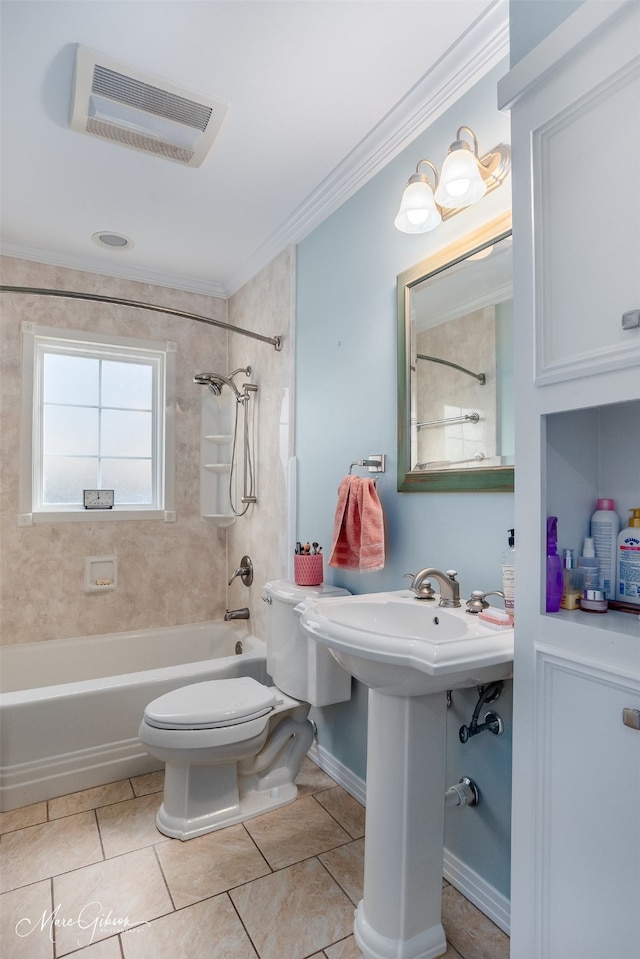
(174,281)
(473,54)
(469,58)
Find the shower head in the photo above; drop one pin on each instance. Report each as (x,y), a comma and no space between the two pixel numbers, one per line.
(215,382)
(211,381)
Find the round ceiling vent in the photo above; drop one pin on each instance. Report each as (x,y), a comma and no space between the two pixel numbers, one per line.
(112,241)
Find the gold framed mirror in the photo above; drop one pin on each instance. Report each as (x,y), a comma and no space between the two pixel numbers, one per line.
(455,367)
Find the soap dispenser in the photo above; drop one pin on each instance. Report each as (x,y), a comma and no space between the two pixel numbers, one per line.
(554,567)
(628,561)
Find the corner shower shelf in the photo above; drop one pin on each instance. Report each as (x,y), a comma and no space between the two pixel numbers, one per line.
(215,459)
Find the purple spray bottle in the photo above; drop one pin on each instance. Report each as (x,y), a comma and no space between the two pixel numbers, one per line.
(554,567)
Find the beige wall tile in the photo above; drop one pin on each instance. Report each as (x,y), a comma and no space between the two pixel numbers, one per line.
(266,305)
(168,573)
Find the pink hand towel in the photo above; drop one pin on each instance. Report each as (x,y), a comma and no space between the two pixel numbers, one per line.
(358,529)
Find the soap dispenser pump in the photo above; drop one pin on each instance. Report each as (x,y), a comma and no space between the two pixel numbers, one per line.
(554,567)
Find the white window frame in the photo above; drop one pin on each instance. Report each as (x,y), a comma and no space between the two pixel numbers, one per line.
(36,340)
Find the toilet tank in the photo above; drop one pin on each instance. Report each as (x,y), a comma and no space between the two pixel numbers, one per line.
(298,665)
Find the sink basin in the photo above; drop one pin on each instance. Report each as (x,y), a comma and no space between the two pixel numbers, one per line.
(402,646)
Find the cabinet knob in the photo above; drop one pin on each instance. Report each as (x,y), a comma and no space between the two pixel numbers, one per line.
(631,717)
(631,320)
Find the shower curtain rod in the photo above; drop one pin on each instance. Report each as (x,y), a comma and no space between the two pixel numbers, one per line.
(275,341)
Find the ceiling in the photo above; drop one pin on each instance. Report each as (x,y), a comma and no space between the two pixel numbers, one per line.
(321,95)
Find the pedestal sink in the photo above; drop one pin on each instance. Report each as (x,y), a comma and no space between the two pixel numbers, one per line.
(408,652)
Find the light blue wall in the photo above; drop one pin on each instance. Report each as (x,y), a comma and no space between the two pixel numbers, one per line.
(346,410)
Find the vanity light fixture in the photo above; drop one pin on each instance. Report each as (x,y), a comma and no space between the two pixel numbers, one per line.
(418,212)
(466,178)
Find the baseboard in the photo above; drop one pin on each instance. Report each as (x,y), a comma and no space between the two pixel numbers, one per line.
(477,890)
(472,886)
(355,786)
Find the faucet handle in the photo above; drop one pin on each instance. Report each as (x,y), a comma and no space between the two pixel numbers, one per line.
(476,603)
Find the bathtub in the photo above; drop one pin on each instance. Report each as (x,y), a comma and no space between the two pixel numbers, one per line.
(70,708)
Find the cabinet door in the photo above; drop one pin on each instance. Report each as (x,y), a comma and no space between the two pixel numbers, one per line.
(588,812)
(579,123)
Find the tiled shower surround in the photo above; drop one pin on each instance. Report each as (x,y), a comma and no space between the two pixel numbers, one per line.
(281,886)
(168,573)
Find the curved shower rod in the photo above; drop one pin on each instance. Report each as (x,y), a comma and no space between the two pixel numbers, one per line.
(275,341)
(480,377)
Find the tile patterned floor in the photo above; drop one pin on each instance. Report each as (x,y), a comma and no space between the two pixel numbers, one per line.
(88,875)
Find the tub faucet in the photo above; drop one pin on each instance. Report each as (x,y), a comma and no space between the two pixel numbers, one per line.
(236,614)
(449,585)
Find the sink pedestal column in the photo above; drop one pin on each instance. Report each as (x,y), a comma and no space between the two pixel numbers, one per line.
(400,914)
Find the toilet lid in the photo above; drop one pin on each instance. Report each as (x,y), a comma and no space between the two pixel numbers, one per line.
(219,702)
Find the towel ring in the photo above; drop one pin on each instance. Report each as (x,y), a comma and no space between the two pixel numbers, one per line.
(374,463)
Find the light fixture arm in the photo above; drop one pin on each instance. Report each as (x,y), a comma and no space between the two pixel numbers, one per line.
(425,179)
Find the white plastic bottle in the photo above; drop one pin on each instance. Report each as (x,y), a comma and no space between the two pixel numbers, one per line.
(628,578)
(508,565)
(605,526)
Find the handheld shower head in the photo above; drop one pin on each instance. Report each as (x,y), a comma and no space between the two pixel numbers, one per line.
(210,381)
(215,382)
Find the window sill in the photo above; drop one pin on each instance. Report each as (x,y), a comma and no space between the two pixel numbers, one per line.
(94,515)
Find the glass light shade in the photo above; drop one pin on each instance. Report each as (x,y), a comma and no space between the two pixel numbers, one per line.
(460,180)
(418,212)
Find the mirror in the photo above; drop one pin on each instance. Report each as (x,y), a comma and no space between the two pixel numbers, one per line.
(455,367)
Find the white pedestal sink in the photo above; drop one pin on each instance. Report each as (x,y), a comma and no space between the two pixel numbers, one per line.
(408,652)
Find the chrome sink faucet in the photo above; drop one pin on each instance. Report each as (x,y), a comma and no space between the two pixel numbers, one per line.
(449,585)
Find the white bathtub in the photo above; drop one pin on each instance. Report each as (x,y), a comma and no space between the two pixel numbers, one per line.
(70,708)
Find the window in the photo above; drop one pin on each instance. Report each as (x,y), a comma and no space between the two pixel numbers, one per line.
(96,415)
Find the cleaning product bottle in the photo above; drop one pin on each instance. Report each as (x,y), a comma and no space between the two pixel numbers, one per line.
(508,566)
(605,526)
(554,567)
(628,561)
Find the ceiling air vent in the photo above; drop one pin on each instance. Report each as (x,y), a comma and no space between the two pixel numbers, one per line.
(119,103)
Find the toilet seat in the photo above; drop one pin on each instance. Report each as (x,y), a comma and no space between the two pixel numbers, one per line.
(211,705)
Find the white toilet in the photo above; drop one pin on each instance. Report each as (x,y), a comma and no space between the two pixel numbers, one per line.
(233,747)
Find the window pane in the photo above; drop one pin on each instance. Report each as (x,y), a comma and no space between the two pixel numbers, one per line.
(65,478)
(130,480)
(126,433)
(127,385)
(70,379)
(70,429)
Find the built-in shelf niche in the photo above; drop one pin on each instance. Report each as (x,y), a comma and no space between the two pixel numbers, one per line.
(591,453)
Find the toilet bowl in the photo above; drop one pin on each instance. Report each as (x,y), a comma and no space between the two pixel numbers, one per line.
(232,748)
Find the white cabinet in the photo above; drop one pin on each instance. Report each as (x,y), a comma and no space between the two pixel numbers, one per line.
(575,116)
